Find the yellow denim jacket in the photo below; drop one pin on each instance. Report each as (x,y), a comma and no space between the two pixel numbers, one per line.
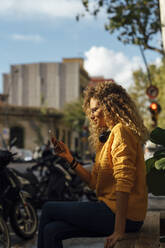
(120,166)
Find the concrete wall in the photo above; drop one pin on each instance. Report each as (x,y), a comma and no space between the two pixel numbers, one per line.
(6,85)
(25,80)
(52,83)
(34,97)
(72,83)
(44,84)
(15,87)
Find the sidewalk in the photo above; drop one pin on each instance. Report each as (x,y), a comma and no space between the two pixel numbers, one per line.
(84,243)
(69,243)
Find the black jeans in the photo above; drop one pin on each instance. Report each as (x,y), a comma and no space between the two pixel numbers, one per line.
(63,220)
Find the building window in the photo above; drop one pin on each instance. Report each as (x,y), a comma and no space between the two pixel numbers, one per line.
(18,134)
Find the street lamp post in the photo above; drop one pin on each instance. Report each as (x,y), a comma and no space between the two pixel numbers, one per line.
(162,18)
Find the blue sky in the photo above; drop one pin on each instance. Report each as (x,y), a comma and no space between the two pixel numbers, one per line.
(34,31)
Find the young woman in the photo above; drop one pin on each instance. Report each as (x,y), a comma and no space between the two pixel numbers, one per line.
(118,174)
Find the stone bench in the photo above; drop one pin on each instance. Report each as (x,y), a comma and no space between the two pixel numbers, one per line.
(148,237)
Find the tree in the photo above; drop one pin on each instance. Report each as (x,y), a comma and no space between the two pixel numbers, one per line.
(138,91)
(137,21)
(74,115)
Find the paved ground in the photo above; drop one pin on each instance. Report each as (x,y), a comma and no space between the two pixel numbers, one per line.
(154,203)
(70,243)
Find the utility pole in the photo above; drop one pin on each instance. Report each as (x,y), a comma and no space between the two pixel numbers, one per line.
(162,19)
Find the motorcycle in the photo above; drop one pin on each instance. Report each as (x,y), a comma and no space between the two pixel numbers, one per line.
(16,203)
(4,232)
(52,179)
(35,180)
(66,185)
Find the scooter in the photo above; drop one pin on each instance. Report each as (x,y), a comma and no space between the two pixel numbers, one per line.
(4,231)
(16,203)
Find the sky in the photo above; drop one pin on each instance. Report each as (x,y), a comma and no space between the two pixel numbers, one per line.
(34,31)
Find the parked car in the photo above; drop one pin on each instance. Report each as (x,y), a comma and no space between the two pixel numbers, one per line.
(22,155)
(150,148)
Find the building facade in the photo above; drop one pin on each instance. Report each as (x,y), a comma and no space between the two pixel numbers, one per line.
(33,94)
(30,127)
(45,84)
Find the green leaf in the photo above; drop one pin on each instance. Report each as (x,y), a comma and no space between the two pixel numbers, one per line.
(139,17)
(160,164)
(160,153)
(74,115)
(157,136)
(150,163)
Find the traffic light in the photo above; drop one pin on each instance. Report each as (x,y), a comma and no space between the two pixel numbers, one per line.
(155,109)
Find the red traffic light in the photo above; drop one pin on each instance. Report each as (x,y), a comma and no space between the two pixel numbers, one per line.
(154,106)
(154,109)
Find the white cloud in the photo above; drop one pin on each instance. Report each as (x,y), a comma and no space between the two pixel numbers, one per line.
(101,61)
(34,38)
(34,8)
(158,62)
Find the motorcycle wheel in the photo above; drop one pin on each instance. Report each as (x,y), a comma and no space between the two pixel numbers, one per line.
(24,220)
(4,234)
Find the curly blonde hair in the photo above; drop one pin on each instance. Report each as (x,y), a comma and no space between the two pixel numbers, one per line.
(118,107)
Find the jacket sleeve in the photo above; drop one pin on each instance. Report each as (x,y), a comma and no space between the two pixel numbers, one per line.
(124,153)
(93,180)
(94,173)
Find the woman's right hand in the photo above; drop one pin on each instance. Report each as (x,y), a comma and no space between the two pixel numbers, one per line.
(62,149)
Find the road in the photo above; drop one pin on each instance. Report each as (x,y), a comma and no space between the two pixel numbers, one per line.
(21,166)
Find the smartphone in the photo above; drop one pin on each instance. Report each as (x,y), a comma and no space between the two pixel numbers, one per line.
(57,146)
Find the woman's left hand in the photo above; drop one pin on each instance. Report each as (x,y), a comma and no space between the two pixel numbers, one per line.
(62,149)
(112,239)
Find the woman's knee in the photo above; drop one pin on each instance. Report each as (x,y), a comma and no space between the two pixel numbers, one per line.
(48,207)
(53,211)
(45,208)
(53,230)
